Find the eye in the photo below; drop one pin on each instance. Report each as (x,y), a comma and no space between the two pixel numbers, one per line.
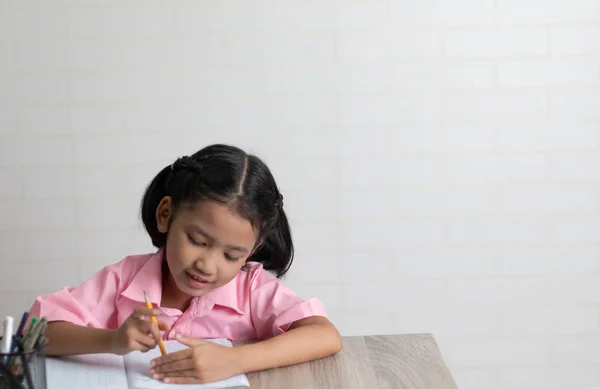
(230,258)
(195,243)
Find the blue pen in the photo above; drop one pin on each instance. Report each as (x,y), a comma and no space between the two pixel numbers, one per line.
(18,335)
(22,324)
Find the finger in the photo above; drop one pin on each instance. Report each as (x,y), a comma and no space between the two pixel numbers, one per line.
(145,340)
(151,328)
(145,312)
(144,349)
(146,325)
(189,340)
(172,357)
(184,380)
(137,346)
(140,325)
(173,367)
(163,326)
(181,373)
(154,331)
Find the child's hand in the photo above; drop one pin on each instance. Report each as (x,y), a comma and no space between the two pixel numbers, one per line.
(202,362)
(138,332)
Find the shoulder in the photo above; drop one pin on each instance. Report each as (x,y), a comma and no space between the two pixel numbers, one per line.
(252,287)
(258,281)
(254,274)
(251,279)
(126,268)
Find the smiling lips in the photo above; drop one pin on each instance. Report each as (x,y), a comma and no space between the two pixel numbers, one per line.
(197,282)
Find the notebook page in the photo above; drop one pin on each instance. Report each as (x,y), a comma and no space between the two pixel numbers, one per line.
(93,371)
(137,365)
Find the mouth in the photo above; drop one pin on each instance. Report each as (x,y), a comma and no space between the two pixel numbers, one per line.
(197,282)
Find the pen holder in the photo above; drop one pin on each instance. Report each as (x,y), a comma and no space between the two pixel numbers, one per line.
(24,369)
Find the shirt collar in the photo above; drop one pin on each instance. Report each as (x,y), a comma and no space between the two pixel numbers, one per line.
(228,295)
(149,278)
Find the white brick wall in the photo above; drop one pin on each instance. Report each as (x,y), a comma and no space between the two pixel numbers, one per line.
(477,353)
(539,11)
(496,42)
(380,46)
(555,135)
(8,121)
(444,152)
(562,72)
(573,351)
(548,321)
(548,378)
(574,40)
(435,13)
(561,103)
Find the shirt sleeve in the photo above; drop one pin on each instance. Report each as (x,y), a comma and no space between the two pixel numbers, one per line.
(274,307)
(91,304)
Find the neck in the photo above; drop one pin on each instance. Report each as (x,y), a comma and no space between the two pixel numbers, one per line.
(172,296)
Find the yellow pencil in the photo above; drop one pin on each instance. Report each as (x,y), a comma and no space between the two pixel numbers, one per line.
(163,351)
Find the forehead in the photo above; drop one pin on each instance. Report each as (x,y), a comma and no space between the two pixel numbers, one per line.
(219,221)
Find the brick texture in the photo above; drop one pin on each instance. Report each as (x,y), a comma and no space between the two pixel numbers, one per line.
(439,159)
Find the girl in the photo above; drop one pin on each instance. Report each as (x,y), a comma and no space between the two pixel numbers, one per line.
(217,220)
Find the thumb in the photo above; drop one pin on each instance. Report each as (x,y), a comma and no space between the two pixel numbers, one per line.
(188,340)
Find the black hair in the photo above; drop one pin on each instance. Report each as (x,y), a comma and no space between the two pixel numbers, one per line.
(228,175)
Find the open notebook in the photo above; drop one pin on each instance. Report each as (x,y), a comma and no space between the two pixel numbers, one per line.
(108,371)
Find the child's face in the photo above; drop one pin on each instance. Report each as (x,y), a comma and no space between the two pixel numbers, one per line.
(207,244)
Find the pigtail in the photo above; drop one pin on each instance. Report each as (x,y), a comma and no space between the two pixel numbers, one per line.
(276,253)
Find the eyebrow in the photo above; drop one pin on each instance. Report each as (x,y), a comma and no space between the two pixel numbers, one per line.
(199,229)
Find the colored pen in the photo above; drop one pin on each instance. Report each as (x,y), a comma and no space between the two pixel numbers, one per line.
(37,331)
(163,351)
(7,334)
(19,332)
(34,321)
(19,336)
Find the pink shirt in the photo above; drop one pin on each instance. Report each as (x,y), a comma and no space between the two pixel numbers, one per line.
(254,305)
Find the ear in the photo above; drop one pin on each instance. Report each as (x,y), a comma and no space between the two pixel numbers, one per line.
(164,212)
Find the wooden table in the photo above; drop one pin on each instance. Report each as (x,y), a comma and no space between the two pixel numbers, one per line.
(367,362)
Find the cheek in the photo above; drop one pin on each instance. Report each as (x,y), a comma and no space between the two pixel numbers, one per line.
(229,271)
(176,249)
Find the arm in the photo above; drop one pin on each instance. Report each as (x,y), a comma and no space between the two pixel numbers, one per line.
(307,339)
(70,339)
(78,317)
(292,330)
(138,332)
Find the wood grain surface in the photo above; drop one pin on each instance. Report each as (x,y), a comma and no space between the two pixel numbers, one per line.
(367,362)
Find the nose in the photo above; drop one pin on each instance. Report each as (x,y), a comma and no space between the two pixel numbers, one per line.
(207,263)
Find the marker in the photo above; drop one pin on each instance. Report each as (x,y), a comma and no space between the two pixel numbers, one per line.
(34,321)
(163,351)
(7,333)
(19,336)
(37,331)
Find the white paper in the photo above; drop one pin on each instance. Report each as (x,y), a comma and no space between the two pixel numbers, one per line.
(92,371)
(137,365)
